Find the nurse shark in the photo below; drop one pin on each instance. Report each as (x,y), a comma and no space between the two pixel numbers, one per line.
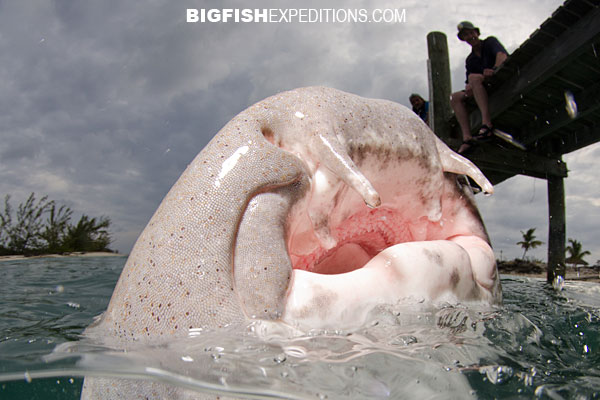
(311,207)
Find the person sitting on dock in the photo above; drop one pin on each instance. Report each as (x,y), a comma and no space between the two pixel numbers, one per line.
(486,57)
(420,106)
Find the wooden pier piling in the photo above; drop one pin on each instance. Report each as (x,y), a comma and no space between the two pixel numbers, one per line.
(438,67)
(556,228)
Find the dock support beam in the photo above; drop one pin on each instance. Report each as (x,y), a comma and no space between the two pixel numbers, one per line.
(556,228)
(438,67)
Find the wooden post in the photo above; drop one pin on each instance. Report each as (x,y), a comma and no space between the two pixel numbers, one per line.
(556,228)
(438,67)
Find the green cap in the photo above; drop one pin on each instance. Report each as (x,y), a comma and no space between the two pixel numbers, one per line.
(465,25)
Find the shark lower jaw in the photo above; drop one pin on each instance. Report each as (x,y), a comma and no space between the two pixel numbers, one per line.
(383,256)
(446,271)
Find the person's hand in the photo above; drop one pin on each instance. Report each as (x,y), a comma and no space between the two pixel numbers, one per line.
(488,72)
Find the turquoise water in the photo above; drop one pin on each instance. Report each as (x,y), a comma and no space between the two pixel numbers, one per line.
(541,344)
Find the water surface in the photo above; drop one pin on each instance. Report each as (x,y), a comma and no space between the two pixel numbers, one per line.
(542,344)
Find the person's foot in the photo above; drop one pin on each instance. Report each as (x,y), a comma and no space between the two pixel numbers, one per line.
(485,133)
(467,146)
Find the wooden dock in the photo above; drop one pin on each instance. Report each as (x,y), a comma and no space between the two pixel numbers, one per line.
(528,98)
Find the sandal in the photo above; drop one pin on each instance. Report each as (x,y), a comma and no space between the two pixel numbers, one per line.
(485,133)
(467,146)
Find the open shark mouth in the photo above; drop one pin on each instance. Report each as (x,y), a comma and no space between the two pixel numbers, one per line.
(424,239)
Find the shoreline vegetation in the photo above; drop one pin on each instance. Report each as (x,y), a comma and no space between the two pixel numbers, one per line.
(41,227)
(72,254)
(536,269)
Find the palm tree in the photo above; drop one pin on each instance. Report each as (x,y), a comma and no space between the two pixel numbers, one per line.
(529,241)
(576,255)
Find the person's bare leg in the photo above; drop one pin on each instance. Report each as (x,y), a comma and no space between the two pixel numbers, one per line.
(457,101)
(481,97)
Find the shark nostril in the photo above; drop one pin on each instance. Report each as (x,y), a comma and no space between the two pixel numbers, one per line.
(268,134)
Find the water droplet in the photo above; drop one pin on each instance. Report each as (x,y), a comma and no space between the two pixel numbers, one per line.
(570,104)
(498,374)
(280,358)
(403,340)
(194,332)
(528,380)
(558,283)
(296,351)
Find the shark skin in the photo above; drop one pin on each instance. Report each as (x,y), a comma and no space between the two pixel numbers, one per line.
(311,208)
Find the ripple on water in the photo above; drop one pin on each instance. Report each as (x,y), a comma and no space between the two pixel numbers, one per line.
(541,343)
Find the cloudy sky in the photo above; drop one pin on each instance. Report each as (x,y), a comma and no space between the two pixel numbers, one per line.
(104,103)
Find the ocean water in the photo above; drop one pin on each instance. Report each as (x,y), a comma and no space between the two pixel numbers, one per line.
(540,344)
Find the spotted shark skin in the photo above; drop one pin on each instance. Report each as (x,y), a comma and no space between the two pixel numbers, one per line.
(244,231)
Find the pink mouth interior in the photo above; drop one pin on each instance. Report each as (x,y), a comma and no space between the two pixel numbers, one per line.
(359,238)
